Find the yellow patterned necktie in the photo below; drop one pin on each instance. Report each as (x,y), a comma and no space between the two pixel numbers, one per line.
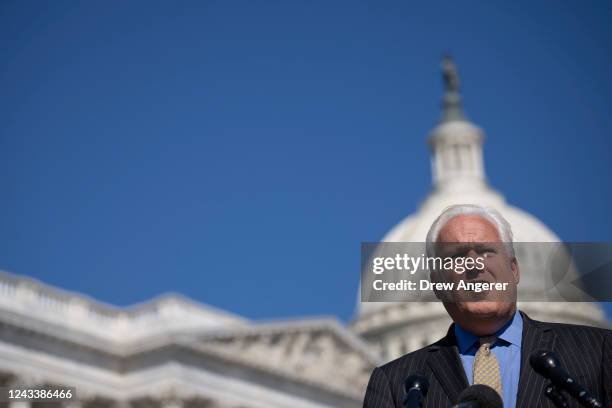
(486,366)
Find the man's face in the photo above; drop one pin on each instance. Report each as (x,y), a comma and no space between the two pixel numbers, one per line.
(472,236)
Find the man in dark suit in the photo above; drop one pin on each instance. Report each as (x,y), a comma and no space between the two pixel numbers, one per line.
(490,341)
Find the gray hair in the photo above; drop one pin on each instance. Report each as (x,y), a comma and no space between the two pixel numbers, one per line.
(489,214)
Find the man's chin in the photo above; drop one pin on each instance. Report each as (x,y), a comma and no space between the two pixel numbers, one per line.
(484,308)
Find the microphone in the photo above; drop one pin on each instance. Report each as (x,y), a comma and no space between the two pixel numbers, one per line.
(416,389)
(479,396)
(547,364)
(552,392)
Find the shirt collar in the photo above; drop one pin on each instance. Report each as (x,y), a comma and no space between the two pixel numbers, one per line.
(512,332)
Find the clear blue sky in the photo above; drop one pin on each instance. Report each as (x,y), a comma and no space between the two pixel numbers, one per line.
(238,152)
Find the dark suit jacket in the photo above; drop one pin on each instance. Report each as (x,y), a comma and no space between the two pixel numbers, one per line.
(584,352)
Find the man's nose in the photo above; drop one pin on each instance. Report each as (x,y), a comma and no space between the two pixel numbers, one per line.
(472,273)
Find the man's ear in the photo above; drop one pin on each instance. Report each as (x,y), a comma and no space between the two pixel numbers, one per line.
(516,272)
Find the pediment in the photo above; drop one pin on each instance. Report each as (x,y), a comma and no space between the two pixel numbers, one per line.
(319,352)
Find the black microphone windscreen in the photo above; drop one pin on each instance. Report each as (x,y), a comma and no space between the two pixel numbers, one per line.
(547,364)
(417,382)
(483,395)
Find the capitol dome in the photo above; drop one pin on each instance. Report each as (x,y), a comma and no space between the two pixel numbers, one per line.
(458,176)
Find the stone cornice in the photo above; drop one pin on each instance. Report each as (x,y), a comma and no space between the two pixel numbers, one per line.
(163,314)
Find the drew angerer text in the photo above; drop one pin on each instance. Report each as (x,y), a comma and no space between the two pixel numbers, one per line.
(424,284)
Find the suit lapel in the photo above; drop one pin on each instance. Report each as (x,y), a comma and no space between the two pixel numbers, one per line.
(443,359)
(536,336)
